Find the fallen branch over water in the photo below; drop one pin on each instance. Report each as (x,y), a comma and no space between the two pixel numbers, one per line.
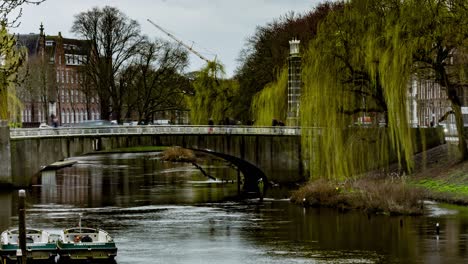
(203,171)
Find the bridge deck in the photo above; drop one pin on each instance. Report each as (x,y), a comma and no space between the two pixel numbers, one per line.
(151,130)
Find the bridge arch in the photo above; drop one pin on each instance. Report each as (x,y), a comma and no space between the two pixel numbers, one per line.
(252,174)
(272,153)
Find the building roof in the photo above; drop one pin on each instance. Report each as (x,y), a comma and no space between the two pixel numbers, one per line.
(30,41)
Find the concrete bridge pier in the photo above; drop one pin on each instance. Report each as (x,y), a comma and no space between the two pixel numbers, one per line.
(5,154)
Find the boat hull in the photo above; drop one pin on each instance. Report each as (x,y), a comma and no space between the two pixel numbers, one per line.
(35,252)
(82,251)
(39,246)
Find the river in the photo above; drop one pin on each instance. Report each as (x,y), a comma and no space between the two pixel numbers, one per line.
(161,212)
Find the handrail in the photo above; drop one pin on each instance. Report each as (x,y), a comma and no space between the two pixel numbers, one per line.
(151,130)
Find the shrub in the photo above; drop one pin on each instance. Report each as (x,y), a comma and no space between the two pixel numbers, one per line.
(178,154)
(370,195)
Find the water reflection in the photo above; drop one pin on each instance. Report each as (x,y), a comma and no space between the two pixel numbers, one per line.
(6,209)
(161,212)
(115,180)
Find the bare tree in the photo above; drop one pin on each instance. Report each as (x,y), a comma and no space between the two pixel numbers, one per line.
(13,8)
(88,90)
(38,86)
(11,58)
(154,81)
(114,39)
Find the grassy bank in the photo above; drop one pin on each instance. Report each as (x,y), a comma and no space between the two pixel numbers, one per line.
(445,183)
(134,149)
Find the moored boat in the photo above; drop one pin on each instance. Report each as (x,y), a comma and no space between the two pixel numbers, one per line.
(40,245)
(81,243)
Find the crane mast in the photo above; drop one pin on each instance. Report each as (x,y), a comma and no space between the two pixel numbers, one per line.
(180,42)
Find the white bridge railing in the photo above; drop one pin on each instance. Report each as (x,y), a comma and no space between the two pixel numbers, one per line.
(151,130)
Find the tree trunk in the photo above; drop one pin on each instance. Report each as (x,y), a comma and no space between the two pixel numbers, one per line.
(462,146)
(105,114)
(452,94)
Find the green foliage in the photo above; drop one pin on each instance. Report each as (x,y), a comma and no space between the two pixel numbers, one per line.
(438,34)
(15,124)
(271,103)
(135,149)
(360,64)
(267,51)
(353,68)
(12,58)
(213,95)
(443,187)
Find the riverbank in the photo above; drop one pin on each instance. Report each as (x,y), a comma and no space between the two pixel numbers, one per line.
(442,175)
(376,196)
(438,175)
(132,150)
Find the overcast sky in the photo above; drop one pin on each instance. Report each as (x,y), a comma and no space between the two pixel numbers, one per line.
(214,26)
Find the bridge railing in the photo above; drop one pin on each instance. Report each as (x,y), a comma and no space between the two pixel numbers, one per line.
(150,130)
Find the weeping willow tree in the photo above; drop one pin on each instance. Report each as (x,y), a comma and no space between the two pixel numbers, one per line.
(213,95)
(356,67)
(270,103)
(438,32)
(11,59)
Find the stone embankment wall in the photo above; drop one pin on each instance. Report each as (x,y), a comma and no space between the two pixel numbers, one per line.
(5,155)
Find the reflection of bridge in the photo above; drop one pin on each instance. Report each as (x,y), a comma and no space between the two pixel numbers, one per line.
(259,152)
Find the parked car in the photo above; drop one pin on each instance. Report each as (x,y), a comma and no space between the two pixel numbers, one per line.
(93,123)
(44,126)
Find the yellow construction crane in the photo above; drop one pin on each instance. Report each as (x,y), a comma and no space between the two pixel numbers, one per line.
(182,43)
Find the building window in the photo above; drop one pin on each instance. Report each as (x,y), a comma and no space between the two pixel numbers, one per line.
(49,43)
(72,117)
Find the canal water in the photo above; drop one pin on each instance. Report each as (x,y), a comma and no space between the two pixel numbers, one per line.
(160,212)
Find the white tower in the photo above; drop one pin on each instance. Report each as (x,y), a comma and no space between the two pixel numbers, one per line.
(294,83)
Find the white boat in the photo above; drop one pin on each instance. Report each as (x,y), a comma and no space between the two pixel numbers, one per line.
(40,245)
(83,243)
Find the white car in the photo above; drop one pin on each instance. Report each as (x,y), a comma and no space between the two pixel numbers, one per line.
(44,125)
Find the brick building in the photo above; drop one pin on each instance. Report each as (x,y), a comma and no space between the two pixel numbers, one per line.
(429,105)
(60,90)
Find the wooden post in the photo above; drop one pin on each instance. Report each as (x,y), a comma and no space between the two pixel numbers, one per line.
(22,227)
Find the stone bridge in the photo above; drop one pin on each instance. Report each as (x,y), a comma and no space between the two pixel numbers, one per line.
(271,153)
